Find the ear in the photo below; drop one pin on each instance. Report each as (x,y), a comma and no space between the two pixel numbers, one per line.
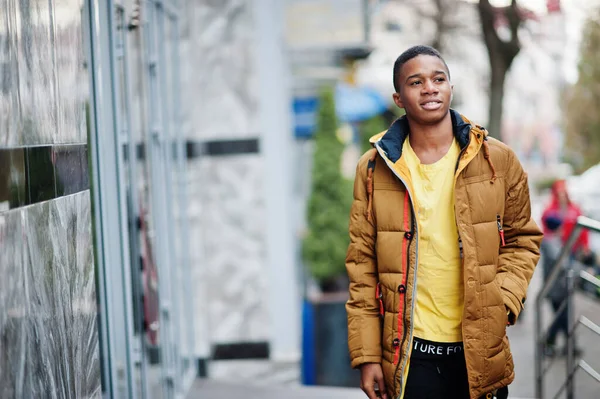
(451,93)
(398,100)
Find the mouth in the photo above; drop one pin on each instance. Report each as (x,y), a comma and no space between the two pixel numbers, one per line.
(431,105)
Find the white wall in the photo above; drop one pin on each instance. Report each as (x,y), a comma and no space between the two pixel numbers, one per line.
(234,87)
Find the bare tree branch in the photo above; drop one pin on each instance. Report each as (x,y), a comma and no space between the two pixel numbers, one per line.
(501,53)
(513,15)
(440,13)
(439,24)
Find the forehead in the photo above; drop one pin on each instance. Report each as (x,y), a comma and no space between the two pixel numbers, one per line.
(423,64)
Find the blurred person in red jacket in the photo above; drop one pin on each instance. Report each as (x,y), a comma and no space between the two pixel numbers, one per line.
(560,217)
(558,221)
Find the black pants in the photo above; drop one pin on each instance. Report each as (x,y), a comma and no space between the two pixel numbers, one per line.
(440,379)
(560,324)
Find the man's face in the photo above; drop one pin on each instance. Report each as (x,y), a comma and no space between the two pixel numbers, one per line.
(425,90)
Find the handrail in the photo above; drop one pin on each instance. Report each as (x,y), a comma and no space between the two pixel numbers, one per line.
(582,223)
(590,370)
(590,324)
(590,278)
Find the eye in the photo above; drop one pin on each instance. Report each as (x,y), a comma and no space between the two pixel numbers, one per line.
(440,79)
(416,82)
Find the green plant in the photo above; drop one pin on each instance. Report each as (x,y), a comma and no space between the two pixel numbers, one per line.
(324,247)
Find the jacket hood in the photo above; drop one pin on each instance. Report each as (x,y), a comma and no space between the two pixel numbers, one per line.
(392,139)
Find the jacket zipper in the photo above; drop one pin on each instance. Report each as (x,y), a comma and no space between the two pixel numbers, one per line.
(460,155)
(412,311)
(404,294)
(397,342)
(500,230)
(460,244)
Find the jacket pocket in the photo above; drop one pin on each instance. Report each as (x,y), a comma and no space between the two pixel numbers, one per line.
(387,325)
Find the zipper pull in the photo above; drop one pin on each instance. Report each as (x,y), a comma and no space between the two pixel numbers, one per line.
(379,295)
(500,230)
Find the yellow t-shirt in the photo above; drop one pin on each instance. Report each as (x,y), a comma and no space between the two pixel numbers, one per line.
(440,296)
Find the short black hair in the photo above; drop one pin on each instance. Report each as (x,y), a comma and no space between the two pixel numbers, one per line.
(409,55)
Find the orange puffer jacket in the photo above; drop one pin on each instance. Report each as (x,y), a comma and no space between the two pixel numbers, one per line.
(492,205)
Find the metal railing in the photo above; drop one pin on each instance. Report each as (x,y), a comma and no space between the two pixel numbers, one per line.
(568,306)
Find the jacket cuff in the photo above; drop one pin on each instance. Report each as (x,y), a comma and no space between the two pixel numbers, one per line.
(356,363)
(511,301)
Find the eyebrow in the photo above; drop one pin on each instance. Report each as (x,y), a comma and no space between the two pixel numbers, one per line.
(418,75)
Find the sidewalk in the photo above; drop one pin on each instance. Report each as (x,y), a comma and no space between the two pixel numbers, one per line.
(218,390)
(221,390)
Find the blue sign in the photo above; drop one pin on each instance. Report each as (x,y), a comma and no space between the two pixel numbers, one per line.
(305,116)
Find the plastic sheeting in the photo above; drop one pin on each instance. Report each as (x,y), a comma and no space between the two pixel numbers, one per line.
(49,344)
(44,84)
(48,323)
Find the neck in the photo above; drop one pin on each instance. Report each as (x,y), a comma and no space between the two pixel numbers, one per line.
(431,137)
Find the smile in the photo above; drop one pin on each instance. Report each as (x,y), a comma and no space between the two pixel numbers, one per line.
(431,105)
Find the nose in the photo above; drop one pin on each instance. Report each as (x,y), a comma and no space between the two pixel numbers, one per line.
(429,87)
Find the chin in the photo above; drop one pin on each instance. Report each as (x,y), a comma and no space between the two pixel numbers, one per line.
(432,118)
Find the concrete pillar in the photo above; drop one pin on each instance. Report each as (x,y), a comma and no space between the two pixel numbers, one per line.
(276,147)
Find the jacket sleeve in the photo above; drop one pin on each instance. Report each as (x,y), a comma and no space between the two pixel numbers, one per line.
(364,328)
(523,237)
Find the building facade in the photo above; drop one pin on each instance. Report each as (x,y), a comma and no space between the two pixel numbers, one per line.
(145,195)
(95,299)
(48,310)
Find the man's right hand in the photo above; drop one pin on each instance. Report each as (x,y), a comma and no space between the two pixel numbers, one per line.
(371,374)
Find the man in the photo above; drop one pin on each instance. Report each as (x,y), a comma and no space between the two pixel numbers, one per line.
(442,248)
